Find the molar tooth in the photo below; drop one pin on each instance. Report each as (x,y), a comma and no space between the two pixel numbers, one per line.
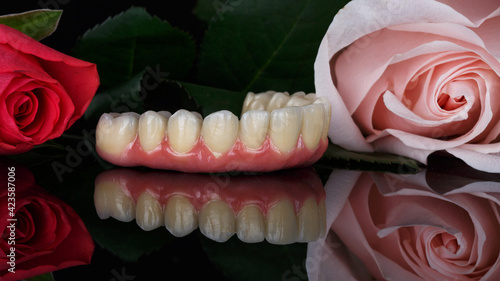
(298,99)
(281,223)
(253,128)
(183,131)
(328,112)
(313,124)
(311,96)
(149,214)
(113,134)
(219,131)
(152,127)
(278,100)
(308,221)
(180,216)
(284,127)
(165,114)
(256,101)
(250,224)
(110,200)
(217,221)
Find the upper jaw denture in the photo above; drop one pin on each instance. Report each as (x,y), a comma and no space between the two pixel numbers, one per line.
(276,131)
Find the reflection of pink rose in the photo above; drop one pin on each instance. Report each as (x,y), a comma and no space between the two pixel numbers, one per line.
(402,229)
(49,234)
(414,77)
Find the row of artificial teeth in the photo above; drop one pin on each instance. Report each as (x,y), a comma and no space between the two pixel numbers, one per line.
(306,116)
(272,100)
(216,220)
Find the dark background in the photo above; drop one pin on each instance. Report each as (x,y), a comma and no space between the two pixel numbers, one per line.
(80,15)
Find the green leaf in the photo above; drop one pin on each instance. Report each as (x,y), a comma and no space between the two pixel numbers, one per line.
(204,9)
(264,45)
(126,44)
(122,98)
(257,261)
(43,277)
(213,99)
(336,156)
(37,24)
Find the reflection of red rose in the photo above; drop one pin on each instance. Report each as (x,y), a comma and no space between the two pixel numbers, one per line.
(407,228)
(42,91)
(49,234)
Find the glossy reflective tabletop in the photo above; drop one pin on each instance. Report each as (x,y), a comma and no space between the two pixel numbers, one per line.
(316,223)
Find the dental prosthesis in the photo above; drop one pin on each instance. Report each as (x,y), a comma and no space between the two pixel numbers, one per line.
(282,208)
(276,131)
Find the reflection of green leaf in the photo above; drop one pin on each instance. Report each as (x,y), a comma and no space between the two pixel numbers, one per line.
(43,277)
(368,161)
(130,247)
(213,99)
(126,44)
(37,24)
(261,45)
(261,261)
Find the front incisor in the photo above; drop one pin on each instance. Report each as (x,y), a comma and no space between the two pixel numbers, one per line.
(183,131)
(312,125)
(152,127)
(253,128)
(284,127)
(220,131)
(148,212)
(180,216)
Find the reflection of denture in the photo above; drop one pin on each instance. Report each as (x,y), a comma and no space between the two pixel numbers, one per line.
(276,131)
(283,207)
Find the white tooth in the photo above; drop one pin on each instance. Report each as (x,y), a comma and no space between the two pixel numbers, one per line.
(253,128)
(322,218)
(219,131)
(197,115)
(281,223)
(298,99)
(183,131)
(256,101)
(311,96)
(250,224)
(313,124)
(328,112)
(114,134)
(152,127)
(278,100)
(165,114)
(101,199)
(247,103)
(148,212)
(110,200)
(284,127)
(308,221)
(180,216)
(217,221)
(133,114)
(299,94)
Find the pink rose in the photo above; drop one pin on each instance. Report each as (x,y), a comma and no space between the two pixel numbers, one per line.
(402,227)
(415,77)
(48,234)
(42,91)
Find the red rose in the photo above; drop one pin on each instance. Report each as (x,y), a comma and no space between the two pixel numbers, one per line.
(42,91)
(49,235)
